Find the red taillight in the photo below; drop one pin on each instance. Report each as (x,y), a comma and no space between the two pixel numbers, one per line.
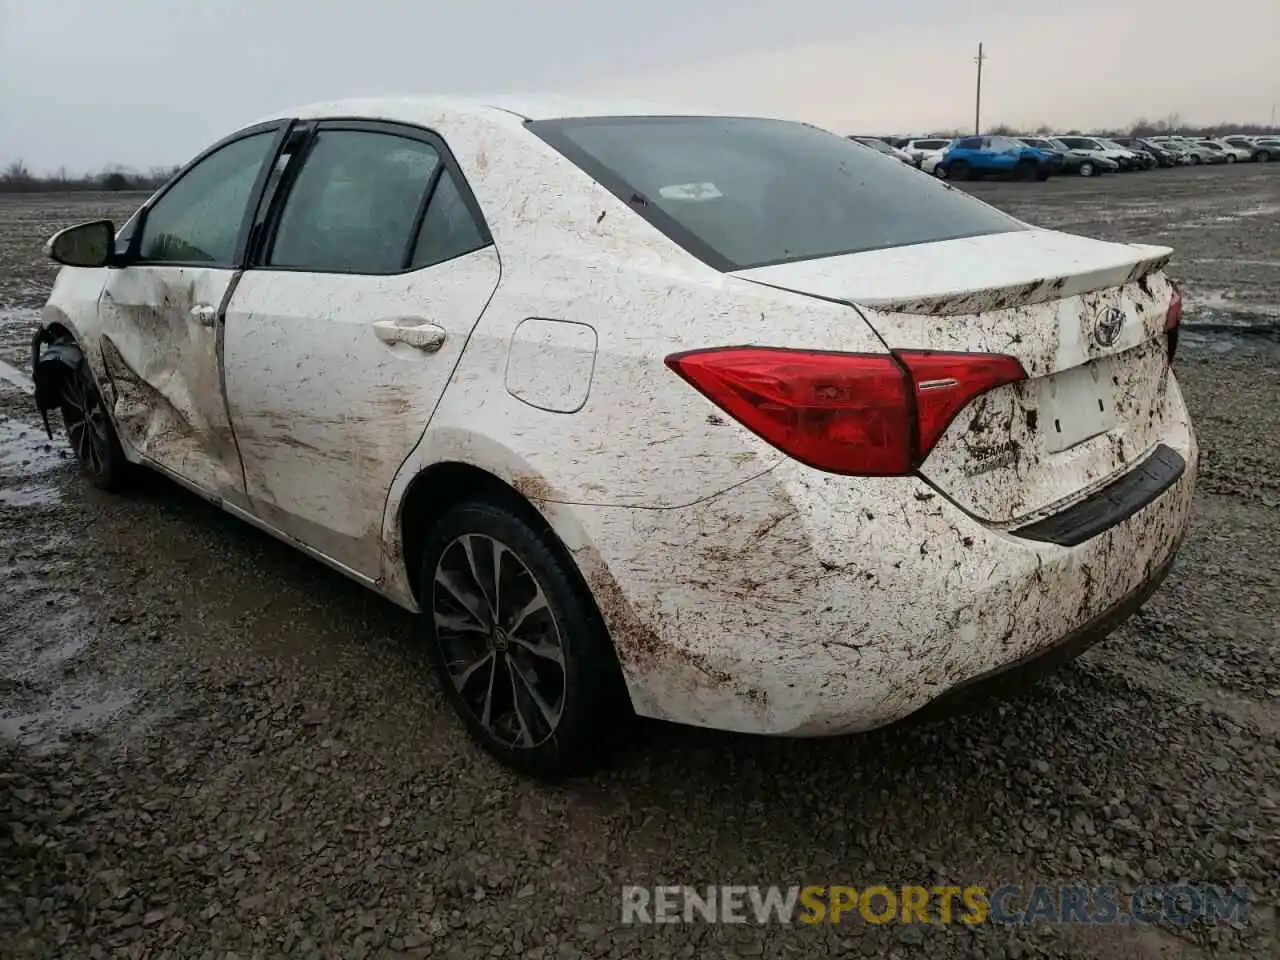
(1172,321)
(849,413)
(946,382)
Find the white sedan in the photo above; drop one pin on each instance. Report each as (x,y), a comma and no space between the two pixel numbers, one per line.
(718,420)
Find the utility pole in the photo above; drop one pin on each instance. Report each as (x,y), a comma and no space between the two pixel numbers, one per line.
(977,105)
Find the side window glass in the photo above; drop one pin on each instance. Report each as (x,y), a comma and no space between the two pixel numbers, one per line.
(971,143)
(448,229)
(354,203)
(198,219)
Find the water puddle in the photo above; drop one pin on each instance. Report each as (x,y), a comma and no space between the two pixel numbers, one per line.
(27,451)
(30,496)
(48,691)
(24,315)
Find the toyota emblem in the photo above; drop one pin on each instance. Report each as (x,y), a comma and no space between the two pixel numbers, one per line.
(1106,330)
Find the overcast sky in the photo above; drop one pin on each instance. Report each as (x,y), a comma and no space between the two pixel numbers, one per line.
(84,83)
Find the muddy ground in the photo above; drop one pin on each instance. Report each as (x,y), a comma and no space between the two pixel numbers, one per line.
(213,747)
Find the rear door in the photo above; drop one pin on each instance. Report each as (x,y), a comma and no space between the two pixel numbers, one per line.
(160,314)
(375,267)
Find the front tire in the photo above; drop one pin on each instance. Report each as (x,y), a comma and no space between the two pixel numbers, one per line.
(959,170)
(517,642)
(1231,158)
(90,431)
(1087,169)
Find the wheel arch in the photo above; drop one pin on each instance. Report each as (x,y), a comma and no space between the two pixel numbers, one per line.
(453,466)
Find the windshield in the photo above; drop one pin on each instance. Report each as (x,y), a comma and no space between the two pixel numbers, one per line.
(1080,143)
(740,193)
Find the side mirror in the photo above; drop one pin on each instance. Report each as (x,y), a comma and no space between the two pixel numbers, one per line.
(84,245)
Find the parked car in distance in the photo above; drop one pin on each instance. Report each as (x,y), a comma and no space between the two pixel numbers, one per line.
(1163,156)
(875,143)
(1072,161)
(1138,159)
(932,164)
(972,158)
(918,150)
(1228,153)
(1180,148)
(1266,149)
(1202,154)
(1241,140)
(1124,159)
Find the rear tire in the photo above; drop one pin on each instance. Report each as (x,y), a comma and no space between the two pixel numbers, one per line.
(90,431)
(1263,156)
(1231,158)
(527,664)
(1025,171)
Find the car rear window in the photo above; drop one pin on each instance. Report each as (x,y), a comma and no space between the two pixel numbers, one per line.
(741,193)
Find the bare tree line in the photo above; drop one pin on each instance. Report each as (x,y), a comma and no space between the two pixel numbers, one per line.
(17,178)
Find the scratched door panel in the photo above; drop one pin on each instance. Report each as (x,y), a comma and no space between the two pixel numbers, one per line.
(326,405)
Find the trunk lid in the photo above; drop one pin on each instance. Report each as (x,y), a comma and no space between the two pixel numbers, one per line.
(1085,318)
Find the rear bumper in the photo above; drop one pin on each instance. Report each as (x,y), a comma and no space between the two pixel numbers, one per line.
(805,604)
(1039,662)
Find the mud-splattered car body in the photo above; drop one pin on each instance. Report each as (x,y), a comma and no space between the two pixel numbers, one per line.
(742,588)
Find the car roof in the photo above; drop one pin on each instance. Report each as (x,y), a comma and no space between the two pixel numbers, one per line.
(418,109)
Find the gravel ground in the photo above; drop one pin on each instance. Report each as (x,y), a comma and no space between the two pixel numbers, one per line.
(213,747)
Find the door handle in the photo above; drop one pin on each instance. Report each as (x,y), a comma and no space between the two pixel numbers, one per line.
(204,314)
(420,334)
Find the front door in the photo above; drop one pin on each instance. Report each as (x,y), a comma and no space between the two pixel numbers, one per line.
(160,316)
(340,339)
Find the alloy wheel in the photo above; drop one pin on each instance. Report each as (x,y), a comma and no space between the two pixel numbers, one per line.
(86,422)
(501,645)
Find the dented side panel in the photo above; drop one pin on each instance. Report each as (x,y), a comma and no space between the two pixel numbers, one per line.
(158,340)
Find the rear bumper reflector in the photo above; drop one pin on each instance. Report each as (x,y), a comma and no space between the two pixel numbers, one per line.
(1113,504)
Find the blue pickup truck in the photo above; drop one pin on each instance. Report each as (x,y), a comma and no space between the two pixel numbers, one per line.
(971,158)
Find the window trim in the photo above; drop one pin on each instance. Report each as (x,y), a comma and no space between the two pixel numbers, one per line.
(133,256)
(407,131)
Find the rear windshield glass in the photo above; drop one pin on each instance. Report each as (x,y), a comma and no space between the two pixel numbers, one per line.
(740,193)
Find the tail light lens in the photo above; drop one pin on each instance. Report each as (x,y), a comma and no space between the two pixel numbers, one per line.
(1172,321)
(869,415)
